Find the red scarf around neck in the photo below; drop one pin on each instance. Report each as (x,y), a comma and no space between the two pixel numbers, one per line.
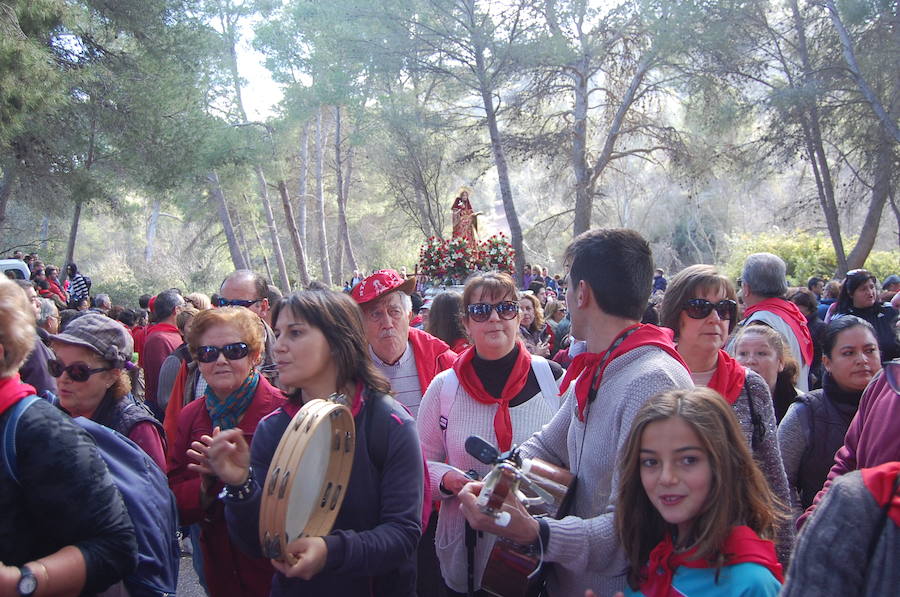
(12,390)
(468,379)
(159,328)
(792,316)
(728,378)
(742,546)
(881,482)
(586,367)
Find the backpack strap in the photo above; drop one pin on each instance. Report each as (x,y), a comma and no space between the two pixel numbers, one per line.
(9,436)
(447,399)
(546,381)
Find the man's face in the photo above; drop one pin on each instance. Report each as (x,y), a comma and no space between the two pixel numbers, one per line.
(242,289)
(818,287)
(387,326)
(52,274)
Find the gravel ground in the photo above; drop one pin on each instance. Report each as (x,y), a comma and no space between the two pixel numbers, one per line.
(188,586)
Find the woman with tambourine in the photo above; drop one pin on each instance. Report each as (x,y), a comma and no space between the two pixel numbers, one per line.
(496,390)
(321,353)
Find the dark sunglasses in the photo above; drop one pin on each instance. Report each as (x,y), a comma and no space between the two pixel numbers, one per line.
(232,352)
(482,311)
(701,308)
(78,371)
(223,302)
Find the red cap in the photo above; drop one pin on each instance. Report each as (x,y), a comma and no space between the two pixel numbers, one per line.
(151,302)
(380,283)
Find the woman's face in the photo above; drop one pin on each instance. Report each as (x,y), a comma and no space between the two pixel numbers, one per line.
(464,194)
(304,357)
(854,360)
(493,338)
(526,309)
(864,295)
(222,375)
(707,335)
(755,352)
(81,398)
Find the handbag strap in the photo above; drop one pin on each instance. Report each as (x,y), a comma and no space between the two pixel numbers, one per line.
(9,436)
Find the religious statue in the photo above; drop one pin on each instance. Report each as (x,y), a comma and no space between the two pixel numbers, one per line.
(465,220)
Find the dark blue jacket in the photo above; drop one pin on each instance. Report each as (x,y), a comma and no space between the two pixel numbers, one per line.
(371,550)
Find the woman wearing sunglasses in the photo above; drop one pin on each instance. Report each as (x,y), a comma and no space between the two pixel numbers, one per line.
(226,343)
(700,307)
(93,360)
(496,390)
(859,297)
(321,351)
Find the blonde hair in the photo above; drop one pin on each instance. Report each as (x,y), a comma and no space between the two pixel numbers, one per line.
(738,492)
(246,322)
(17,327)
(538,323)
(199,300)
(775,340)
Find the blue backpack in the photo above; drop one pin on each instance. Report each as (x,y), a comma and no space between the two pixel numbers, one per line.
(147,497)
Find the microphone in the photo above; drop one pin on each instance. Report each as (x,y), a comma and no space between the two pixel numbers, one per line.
(481,450)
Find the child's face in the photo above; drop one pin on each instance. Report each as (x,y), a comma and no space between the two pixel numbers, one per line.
(675,471)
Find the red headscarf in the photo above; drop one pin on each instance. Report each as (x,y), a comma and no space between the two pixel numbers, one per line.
(792,316)
(12,390)
(728,378)
(468,379)
(881,481)
(742,546)
(588,367)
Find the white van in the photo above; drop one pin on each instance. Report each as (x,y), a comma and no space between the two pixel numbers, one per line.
(15,269)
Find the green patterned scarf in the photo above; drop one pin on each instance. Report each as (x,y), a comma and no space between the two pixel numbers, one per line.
(225,412)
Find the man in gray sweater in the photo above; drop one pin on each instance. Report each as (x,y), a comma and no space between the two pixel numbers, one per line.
(610,276)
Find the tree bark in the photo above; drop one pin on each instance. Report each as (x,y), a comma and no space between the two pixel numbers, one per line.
(351,258)
(884,170)
(73,234)
(304,184)
(152,224)
(583,187)
(259,242)
(299,252)
(320,200)
(339,188)
(273,230)
(10,175)
(239,228)
(222,206)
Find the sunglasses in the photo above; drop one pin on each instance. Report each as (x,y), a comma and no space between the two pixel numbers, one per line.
(233,352)
(78,371)
(701,308)
(223,302)
(482,311)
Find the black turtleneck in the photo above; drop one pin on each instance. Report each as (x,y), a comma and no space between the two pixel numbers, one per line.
(493,375)
(838,395)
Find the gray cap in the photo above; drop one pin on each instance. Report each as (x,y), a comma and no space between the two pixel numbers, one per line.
(99,333)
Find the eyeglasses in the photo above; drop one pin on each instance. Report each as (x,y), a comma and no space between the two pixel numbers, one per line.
(78,371)
(701,308)
(859,273)
(482,311)
(224,302)
(232,352)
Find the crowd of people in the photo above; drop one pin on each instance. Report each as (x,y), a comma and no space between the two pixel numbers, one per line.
(725,437)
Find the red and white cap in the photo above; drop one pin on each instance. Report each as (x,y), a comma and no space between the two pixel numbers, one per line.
(380,283)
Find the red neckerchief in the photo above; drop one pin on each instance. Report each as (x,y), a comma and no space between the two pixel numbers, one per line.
(728,378)
(881,482)
(792,316)
(12,390)
(742,546)
(158,328)
(588,367)
(468,379)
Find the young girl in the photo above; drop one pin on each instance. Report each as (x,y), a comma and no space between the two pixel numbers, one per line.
(694,512)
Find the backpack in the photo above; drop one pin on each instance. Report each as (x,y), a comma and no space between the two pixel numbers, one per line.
(145,490)
(87,282)
(379,419)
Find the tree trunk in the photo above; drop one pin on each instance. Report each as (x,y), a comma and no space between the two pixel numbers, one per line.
(239,228)
(273,230)
(423,212)
(512,217)
(45,231)
(304,184)
(351,258)
(320,200)
(884,170)
(583,187)
(222,206)
(299,252)
(259,240)
(73,234)
(816,149)
(339,188)
(10,174)
(151,230)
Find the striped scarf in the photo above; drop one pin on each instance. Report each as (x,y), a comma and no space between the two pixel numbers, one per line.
(225,412)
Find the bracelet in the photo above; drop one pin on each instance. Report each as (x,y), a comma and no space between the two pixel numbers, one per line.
(238,492)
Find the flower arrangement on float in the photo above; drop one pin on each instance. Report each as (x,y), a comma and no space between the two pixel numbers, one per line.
(449,262)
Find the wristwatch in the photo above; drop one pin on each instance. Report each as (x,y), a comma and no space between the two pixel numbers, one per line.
(27,582)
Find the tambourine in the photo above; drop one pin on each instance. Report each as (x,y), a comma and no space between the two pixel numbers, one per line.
(308,477)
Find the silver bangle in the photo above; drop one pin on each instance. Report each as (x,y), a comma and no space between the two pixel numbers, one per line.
(238,492)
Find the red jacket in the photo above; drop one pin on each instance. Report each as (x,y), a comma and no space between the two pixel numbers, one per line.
(161,341)
(229,573)
(432,356)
